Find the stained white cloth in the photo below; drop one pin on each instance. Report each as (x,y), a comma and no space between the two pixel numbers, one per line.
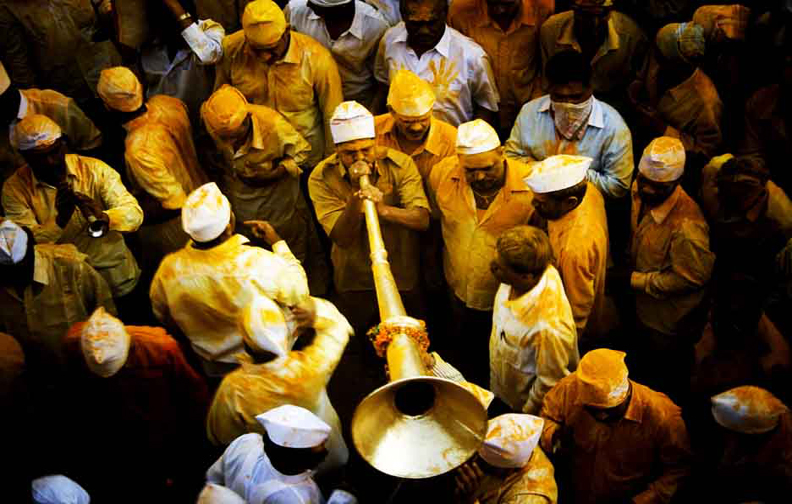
(342,497)
(58,489)
(206,213)
(36,131)
(205,39)
(265,327)
(244,468)
(351,121)
(511,439)
(294,427)
(747,409)
(603,378)
(663,160)
(457,68)
(217,494)
(475,137)
(571,118)
(556,173)
(105,343)
(13,242)
(410,95)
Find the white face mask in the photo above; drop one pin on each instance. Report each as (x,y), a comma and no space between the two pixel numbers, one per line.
(571,118)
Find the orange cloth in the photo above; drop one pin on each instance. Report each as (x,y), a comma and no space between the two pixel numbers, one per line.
(304,86)
(470,240)
(613,462)
(580,244)
(160,155)
(515,55)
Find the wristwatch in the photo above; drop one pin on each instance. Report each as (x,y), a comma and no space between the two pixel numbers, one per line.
(184,17)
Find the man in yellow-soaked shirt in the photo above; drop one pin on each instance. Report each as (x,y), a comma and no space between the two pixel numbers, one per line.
(276,374)
(621,441)
(284,70)
(510,467)
(161,162)
(478,194)
(201,288)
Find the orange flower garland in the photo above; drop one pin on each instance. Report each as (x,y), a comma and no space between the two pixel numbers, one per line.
(382,334)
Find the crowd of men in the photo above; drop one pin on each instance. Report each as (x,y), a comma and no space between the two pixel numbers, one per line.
(585,202)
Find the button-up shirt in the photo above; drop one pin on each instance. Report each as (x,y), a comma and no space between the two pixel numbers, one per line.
(299,378)
(620,59)
(184,76)
(607,140)
(580,243)
(643,456)
(202,291)
(533,343)
(457,68)
(65,290)
(693,111)
(533,484)
(402,187)
(245,468)
(160,154)
(515,55)
(672,260)
(439,144)
(469,236)
(304,86)
(354,50)
(31,203)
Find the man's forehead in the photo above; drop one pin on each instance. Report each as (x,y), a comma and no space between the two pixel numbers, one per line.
(479,161)
(356,145)
(424,10)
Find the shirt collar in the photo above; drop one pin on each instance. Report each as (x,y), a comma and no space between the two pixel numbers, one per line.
(235,241)
(434,140)
(443,46)
(596,117)
(659,213)
(23,106)
(292,55)
(635,409)
(71,171)
(527,15)
(527,301)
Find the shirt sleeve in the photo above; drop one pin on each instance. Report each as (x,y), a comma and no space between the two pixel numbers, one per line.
(223,67)
(411,189)
(515,149)
(122,208)
(291,284)
(617,164)
(579,274)
(328,205)
(381,70)
(82,132)
(159,300)
(691,263)
(482,81)
(553,414)
(327,85)
(332,336)
(293,144)
(147,165)
(215,473)
(552,362)
(18,209)
(95,291)
(205,40)
(674,454)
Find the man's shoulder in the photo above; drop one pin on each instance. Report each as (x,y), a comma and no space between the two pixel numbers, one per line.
(394,159)
(21,178)
(374,16)
(395,34)
(64,255)
(556,22)
(321,170)
(443,170)
(46,97)
(657,404)
(612,119)
(310,48)
(467,47)
(536,106)
(625,25)
(233,44)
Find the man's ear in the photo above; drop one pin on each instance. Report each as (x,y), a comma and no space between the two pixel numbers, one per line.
(571,202)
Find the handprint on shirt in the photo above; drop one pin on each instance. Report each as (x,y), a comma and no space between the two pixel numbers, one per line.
(442,78)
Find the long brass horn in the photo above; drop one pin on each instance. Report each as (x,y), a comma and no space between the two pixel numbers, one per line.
(416,426)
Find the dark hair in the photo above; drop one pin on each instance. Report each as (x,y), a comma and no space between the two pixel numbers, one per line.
(568,66)
(745,165)
(443,4)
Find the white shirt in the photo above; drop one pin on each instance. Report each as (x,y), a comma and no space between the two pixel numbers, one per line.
(245,469)
(389,9)
(533,343)
(458,69)
(353,51)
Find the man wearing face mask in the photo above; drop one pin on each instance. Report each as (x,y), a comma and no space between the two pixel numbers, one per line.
(287,71)
(622,441)
(671,265)
(478,195)
(570,120)
(578,230)
(611,42)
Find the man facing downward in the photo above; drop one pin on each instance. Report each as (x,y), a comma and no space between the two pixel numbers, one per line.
(534,339)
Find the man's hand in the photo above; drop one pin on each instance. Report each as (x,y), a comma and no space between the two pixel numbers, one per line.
(357,170)
(64,204)
(468,478)
(89,207)
(263,230)
(370,193)
(305,313)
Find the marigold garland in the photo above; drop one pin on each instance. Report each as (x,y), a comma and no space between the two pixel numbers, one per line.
(382,334)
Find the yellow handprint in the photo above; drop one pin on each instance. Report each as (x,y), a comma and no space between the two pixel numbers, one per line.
(442,79)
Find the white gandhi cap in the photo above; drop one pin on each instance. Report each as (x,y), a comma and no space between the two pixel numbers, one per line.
(294,427)
(351,121)
(557,173)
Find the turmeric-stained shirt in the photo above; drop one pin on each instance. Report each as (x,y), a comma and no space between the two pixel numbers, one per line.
(515,55)
(65,290)
(304,86)
(533,484)
(606,140)
(31,203)
(533,343)
(160,155)
(693,111)
(202,291)
(298,378)
(671,258)
(401,185)
(580,243)
(643,456)
(440,142)
(620,59)
(469,236)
